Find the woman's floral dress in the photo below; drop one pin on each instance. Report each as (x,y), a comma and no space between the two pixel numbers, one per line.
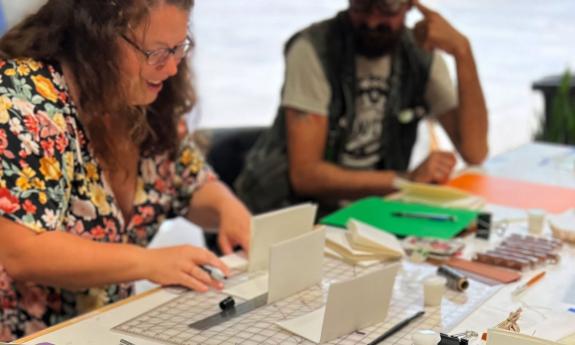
(50,181)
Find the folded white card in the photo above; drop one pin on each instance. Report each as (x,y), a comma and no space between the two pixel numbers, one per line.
(288,273)
(249,289)
(295,264)
(497,336)
(351,305)
(369,238)
(270,228)
(361,263)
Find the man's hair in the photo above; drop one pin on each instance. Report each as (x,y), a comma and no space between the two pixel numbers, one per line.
(83,33)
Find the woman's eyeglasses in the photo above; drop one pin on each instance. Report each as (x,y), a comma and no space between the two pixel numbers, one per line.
(159,57)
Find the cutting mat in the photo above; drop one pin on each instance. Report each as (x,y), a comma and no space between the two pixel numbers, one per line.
(168,323)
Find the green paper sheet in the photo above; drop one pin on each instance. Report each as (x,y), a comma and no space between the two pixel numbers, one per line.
(378,212)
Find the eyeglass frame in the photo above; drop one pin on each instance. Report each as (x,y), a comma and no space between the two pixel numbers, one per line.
(171,51)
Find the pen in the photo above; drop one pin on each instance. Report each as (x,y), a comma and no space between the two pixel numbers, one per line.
(530,282)
(429,216)
(214,272)
(396,328)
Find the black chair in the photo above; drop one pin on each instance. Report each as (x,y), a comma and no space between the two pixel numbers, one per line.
(226,152)
(227,149)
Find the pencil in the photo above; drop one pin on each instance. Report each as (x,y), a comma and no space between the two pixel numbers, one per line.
(396,328)
(529,283)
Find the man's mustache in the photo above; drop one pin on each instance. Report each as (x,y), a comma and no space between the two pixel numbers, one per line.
(377,30)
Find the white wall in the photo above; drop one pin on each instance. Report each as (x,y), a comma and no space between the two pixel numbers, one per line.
(16,10)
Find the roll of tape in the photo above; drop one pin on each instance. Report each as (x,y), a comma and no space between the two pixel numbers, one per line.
(455,280)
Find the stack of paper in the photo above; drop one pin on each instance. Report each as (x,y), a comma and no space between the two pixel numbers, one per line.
(362,244)
(444,196)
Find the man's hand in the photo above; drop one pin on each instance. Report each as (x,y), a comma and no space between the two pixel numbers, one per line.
(234,226)
(434,32)
(435,169)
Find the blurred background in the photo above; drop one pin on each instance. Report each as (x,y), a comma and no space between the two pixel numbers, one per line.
(239,62)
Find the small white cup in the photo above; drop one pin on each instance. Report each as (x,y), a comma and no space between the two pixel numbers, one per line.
(433,290)
(535,221)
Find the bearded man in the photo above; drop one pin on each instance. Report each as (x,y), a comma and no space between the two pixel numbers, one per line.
(356,87)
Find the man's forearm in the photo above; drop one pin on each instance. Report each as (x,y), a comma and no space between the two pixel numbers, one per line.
(327,180)
(472,111)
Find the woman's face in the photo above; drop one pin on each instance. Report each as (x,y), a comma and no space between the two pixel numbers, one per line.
(166,27)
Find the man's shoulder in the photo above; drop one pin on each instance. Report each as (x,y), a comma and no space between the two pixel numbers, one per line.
(317,31)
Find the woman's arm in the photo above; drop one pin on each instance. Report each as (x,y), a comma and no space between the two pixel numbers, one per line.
(214,205)
(57,258)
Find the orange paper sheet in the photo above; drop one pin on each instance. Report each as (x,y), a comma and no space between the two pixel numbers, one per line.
(514,193)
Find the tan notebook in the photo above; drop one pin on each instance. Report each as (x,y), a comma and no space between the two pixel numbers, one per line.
(494,273)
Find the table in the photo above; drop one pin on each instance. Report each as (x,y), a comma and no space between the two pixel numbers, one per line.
(540,163)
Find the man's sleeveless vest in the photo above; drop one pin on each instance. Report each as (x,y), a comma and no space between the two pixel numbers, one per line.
(264,183)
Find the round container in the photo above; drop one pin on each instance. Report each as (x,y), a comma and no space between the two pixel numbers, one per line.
(433,290)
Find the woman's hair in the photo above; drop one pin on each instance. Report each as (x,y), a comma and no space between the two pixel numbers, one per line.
(83,33)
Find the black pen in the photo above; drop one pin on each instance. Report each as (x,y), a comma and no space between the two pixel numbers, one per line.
(396,328)
(428,216)
(214,272)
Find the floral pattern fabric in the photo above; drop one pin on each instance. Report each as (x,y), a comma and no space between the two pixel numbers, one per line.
(50,181)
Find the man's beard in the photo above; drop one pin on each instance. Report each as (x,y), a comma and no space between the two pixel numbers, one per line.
(376,42)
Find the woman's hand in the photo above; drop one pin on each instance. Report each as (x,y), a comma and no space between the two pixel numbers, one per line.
(180,265)
(214,205)
(234,226)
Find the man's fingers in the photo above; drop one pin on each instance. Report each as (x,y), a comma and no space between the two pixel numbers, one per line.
(426,11)
(420,32)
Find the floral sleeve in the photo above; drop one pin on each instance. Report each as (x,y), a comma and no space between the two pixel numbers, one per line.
(33,145)
(192,171)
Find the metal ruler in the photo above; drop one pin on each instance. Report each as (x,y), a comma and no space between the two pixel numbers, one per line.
(231,313)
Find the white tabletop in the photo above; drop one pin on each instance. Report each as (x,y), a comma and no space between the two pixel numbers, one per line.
(541,303)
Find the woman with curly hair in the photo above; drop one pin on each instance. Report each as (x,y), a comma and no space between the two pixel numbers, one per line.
(91,160)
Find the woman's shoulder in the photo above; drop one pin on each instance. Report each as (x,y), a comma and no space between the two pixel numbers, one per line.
(33,97)
(34,80)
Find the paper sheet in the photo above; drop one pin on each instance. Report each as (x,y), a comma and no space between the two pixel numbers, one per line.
(351,305)
(235,261)
(273,227)
(338,237)
(502,337)
(291,273)
(373,237)
(251,288)
(555,328)
(363,263)
(308,325)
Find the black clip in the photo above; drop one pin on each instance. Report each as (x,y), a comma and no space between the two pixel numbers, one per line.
(227,303)
(447,339)
(483,225)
